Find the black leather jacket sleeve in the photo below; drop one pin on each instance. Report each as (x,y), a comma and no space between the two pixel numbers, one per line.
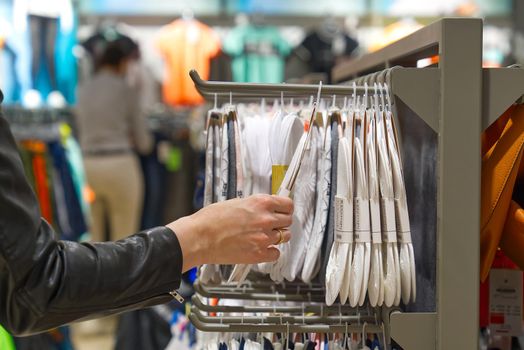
(45,282)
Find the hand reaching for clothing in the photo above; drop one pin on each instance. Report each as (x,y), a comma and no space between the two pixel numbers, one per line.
(237,231)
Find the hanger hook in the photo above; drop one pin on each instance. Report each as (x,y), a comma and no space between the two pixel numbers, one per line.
(364,334)
(365,95)
(216,99)
(230,97)
(319,91)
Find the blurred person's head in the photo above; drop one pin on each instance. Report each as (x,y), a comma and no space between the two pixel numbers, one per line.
(115,59)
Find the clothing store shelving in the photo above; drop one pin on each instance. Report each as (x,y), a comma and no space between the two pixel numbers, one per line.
(442,108)
(458,99)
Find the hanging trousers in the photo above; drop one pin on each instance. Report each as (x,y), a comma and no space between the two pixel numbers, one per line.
(119,189)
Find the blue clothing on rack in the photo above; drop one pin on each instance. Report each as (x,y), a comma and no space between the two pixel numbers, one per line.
(75,214)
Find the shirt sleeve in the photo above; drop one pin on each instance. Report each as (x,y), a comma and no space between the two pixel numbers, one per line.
(45,283)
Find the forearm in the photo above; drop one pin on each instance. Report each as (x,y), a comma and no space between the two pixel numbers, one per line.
(45,283)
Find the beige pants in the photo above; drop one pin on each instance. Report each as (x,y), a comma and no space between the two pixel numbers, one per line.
(118,185)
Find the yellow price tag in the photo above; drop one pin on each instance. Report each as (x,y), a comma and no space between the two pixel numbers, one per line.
(277,176)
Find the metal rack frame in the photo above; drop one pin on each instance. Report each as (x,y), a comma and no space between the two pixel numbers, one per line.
(457,99)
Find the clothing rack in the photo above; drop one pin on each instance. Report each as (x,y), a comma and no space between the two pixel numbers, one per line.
(442,108)
(457,99)
(21,115)
(224,91)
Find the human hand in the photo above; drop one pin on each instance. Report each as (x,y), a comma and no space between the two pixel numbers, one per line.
(237,231)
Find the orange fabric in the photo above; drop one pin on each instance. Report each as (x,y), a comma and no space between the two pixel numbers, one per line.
(42,187)
(186,45)
(512,242)
(500,165)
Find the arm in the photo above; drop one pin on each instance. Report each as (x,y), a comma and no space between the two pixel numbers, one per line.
(45,283)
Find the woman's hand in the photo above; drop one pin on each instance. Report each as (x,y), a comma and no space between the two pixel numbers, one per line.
(237,231)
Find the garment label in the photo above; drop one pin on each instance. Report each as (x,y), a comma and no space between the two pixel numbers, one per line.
(343,220)
(362,225)
(402,220)
(278,172)
(505,302)
(376,230)
(387,212)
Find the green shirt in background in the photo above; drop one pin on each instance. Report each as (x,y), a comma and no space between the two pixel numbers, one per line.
(258,54)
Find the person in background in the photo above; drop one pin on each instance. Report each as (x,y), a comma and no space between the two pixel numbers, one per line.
(111,132)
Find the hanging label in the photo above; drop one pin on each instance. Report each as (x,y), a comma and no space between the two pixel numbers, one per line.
(362,225)
(505,302)
(376,231)
(387,212)
(277,176)
(343,220)
(402,220)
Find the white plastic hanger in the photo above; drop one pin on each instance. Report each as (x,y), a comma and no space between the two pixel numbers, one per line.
(406,256)
(341,253)
(375,286)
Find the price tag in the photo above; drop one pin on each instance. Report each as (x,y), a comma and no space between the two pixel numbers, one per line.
(505,302)
(343,220)
(278,172)
(362,224)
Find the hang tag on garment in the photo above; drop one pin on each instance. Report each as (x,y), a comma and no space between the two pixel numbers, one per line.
(389,228)
(403,229)
(505,302)
(278,172)
(343,220)
(374,210)
(362,224)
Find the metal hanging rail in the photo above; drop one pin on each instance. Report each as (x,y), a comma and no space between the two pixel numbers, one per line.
(260,90)
(303,308)
(342,328)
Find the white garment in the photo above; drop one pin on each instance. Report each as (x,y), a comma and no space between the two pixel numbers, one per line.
(304,195)
(311,262)
(47,8)
(341,254)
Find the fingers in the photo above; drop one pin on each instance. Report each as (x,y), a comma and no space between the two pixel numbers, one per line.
(283,205)
(278,236)
(270,254)
(282,220)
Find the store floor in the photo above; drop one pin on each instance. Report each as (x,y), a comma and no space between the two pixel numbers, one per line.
(96,334)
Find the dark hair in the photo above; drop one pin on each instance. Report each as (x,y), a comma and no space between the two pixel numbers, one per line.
(113,55)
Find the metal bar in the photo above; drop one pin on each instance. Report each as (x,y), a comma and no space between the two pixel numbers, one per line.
(204,86)
(282,328)
(304,308)
(305,296)
(266,289)
(280,319)
(421,44)
(458,207)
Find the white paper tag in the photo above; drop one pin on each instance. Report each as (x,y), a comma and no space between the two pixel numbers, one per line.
(376,230)
(362,225)
(343,220)
(402,220)
(505,302)
(389,229)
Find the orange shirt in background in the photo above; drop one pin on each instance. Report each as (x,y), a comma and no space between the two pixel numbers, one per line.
(186,45)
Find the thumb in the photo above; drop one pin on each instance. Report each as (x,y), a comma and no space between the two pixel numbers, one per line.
(272,254)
